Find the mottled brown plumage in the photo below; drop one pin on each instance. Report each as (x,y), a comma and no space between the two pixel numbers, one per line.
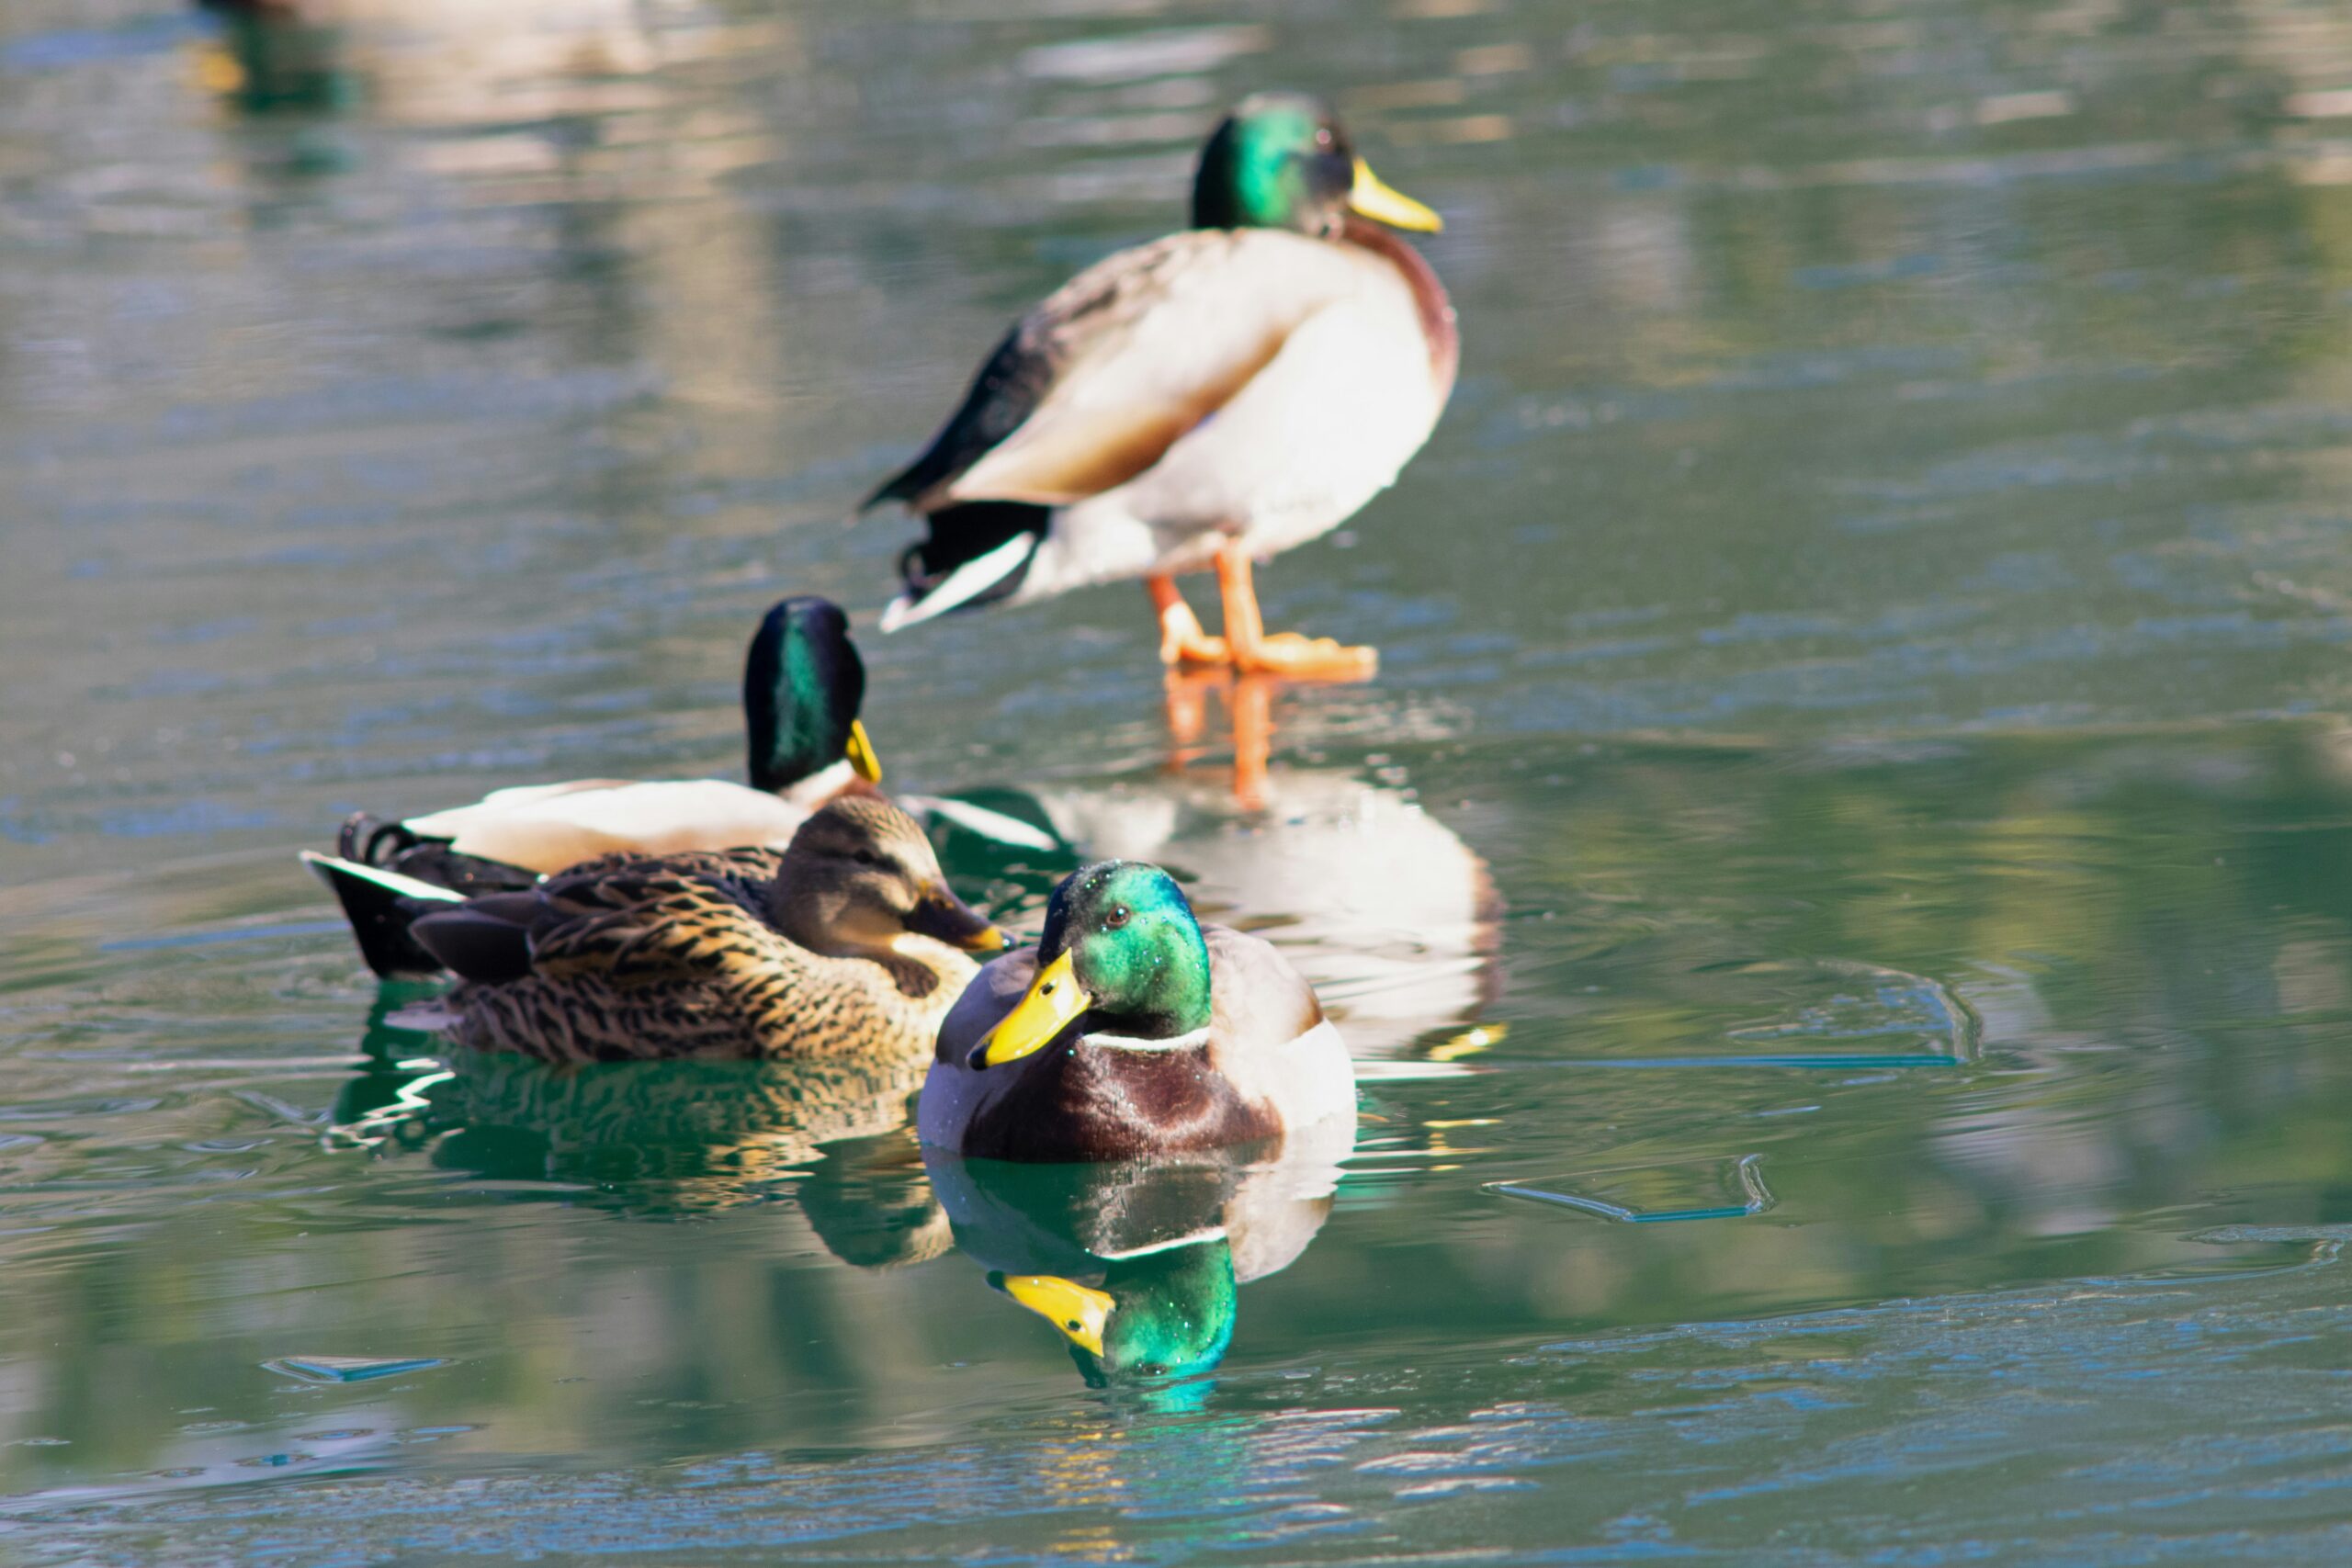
(849,942)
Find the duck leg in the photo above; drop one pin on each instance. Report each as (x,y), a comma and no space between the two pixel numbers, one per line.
(1181,639)
(1255,652)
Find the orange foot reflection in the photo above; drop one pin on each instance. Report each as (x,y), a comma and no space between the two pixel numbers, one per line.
(1249,699)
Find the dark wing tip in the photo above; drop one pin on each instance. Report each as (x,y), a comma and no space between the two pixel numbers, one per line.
(382,921)
(1004,392)
(480,942)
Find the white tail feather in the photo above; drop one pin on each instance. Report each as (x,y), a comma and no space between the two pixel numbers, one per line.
(963,585)
(327,867)
(980,819)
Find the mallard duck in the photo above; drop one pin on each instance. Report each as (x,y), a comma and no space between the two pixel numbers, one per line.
(1199,402)
(1131,1030)
(848,942)
(803,682)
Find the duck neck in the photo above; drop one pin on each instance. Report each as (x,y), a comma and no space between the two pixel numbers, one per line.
(1438,325)
(837,778)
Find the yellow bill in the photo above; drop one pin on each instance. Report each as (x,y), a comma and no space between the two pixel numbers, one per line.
(862,759)
(1054,1002)
(1376,199)
(1078,1311)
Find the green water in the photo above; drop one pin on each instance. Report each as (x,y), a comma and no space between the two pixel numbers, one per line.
(1841,888)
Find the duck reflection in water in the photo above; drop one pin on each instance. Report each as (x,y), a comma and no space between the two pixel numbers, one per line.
(1379,905)
(1138,1264)
(659,1140)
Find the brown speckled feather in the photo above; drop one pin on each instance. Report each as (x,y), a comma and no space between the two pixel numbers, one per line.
(655,956)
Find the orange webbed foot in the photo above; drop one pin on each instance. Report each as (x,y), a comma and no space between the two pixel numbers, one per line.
(1181,639)
(1297,657)
(1192,646)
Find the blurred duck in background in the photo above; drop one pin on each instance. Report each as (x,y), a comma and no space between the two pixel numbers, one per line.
(270,57)
(426,63)
(1197,403)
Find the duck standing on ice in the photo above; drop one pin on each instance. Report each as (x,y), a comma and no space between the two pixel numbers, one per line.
(1199,402)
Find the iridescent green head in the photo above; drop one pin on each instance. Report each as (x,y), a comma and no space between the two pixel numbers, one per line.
(1161,1315)
(1121,954)
(803,683)
(1281,161)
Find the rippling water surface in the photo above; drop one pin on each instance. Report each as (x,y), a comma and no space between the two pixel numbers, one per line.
(1843,887)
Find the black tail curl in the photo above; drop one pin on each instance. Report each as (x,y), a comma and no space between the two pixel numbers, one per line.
(369,840)
(394,846)
(963,533)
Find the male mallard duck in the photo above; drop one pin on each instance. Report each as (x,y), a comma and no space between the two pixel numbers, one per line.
(1209,398)
(1130,1030)
(850,940)
(803,682)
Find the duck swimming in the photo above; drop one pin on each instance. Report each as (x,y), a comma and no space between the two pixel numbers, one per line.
(803,683)
(1131,1030)
(848,942)
(1199,402)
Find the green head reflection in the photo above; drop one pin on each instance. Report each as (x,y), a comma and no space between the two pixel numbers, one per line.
(1154,1318)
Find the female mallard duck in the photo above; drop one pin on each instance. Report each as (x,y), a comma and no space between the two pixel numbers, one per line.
(850,940)
(1209,398)
(1130,1030)
(803,682)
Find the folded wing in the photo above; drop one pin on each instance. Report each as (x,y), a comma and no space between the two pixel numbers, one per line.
(1095,385)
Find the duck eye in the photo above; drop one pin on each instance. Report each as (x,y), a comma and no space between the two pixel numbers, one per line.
(1119,916)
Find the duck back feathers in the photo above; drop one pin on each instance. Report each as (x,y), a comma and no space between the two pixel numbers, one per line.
(1094,385)
(640,956)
